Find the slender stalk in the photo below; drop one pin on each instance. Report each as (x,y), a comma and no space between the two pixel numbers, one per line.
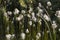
(48,28)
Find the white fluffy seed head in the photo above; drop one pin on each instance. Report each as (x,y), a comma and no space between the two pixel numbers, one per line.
(12,36)
(38,35)
(30,23)
(33,14)
(19,18)
(38,14)
(5,14)
(46,17)
(54,25)
(28,15)
(9,12)
(39,21)
(40,5)
(49,3)
(23,35)
(16,11)
(27,31)
(23,11)
(30,10)
(8,36)
(48,31)
(40,11)
(59,29)
(54,22)
(34,19)
(58,13)
(38,8)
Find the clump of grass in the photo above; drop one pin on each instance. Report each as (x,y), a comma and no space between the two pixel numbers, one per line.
(28,20)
